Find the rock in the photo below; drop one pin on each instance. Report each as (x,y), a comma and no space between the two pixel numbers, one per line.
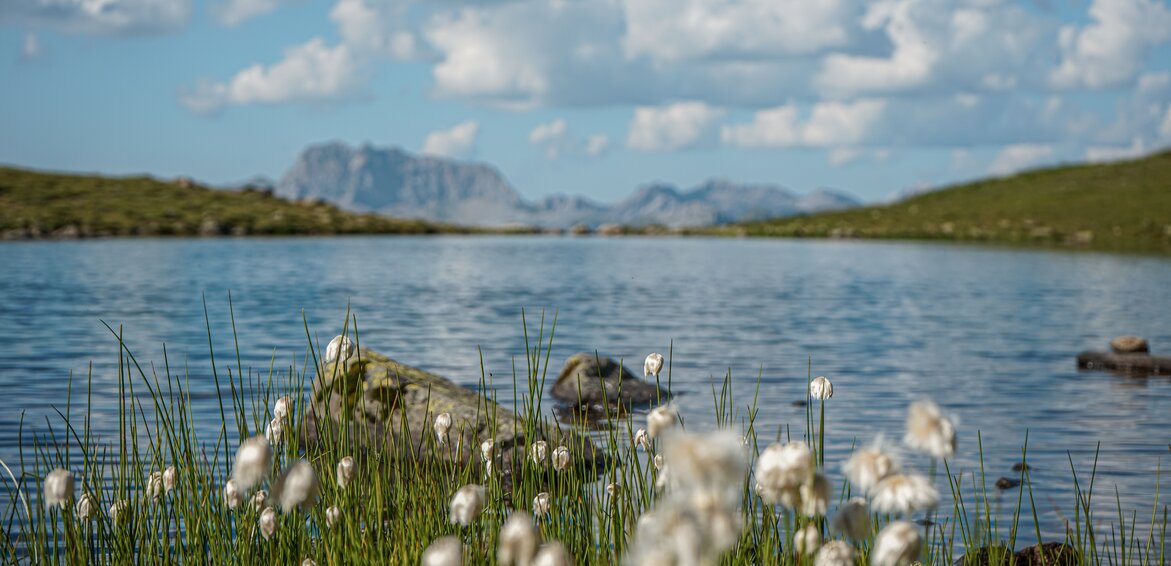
(1130,344)
(1020,466)
(383,405)
(1046,554)
(591,381)
(1007,483)
(996,554)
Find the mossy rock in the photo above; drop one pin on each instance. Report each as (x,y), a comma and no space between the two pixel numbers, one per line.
(590,381)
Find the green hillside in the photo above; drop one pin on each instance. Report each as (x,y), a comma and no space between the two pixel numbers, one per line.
(1123,206)
(37,205)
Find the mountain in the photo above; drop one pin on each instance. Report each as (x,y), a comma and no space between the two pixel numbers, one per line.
(395,183)
(1119,206)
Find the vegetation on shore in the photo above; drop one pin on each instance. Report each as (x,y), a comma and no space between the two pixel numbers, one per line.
(1123,206)
(50,205)
(161,493)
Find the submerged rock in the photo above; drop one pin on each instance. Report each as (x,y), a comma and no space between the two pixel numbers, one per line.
(590,381)
(1007,483)
(1044,554)
(384,405)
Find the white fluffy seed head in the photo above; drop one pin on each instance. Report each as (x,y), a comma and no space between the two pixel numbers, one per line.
(339,349)
(542,503)
(518,540)
(259,499)
(466,504)
(869,465)
(711,465)
(118,510)
(897,544)
(815,496)
(58,488)
(232,497)
(807,540)
(929,431)
(267,523)
(154,485)
(661,419)
(903,493)
(821,388)
(253,460)
(653,365)
(853,519)
(835,553)
(641,438)
(539,452)
(85,507)
(442,428)
(274,431)
(561,458)
(308,562)
(283,408)
(445,551)
(345,471)
(552,553)
(170,479)
(488,450)
(332,516)
(781,468)
(297,487)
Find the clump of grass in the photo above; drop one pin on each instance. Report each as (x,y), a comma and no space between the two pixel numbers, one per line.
(162,493)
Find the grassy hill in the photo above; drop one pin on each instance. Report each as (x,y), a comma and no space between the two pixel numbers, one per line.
(1123,206)
(35,204)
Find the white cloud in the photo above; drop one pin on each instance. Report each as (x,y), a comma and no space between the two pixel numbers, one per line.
(236,12)
(680,30)
(309,73)
(1165,126)
(30,48)
(1111,50)
(557,141)
(1015,157)
(377,28)
(674,126)
(1100,154)
(910,63)
(99,17)
(597,144)
(459,141)
(828,124)
(550,132)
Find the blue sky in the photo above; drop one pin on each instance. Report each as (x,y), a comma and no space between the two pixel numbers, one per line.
(590,97)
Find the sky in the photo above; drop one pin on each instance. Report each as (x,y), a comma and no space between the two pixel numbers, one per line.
(594,97)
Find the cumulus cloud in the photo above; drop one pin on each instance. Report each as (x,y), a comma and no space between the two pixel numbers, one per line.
(1102,154)
(236,12)
(1015,157)
(597,144)
(828,124)
(377,28)
(99,17)
(909,65)
(674,126)
(459,141)
(557,141)
(1111,49)
(309,73)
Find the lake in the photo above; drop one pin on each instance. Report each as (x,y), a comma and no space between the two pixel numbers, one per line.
(989,333)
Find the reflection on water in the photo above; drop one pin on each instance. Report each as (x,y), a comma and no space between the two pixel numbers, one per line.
(990,334)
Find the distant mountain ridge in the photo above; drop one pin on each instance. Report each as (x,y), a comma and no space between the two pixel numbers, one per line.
(393,182)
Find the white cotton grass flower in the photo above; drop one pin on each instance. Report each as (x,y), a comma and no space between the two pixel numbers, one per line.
(340,349)
(308,562)
(781,468)
(807,540)
(274,431)
(58,488)
(170,479)
(283,408)
(444,551)
(552,553)
(653,365)
(442,428)
(661,419)
(267,523)
(561,458)
(902,494)
(821,388)
(853,519)
(642,439)
(539,452)
(259,499)
(542,503)
(154,485)
(659,462)
(897,544)
(232,497)
(118,510)
(929,431)
(488,450)
(815,496)
(869,465)
(711,464)
(345,471)
(84,509)
(332,516)
(253,461)
(297,487)
(466,504)
(835,553)
(518,540)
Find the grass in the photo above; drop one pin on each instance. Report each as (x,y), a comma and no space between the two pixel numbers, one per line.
(1118,207)
(49,205)
(398,504)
